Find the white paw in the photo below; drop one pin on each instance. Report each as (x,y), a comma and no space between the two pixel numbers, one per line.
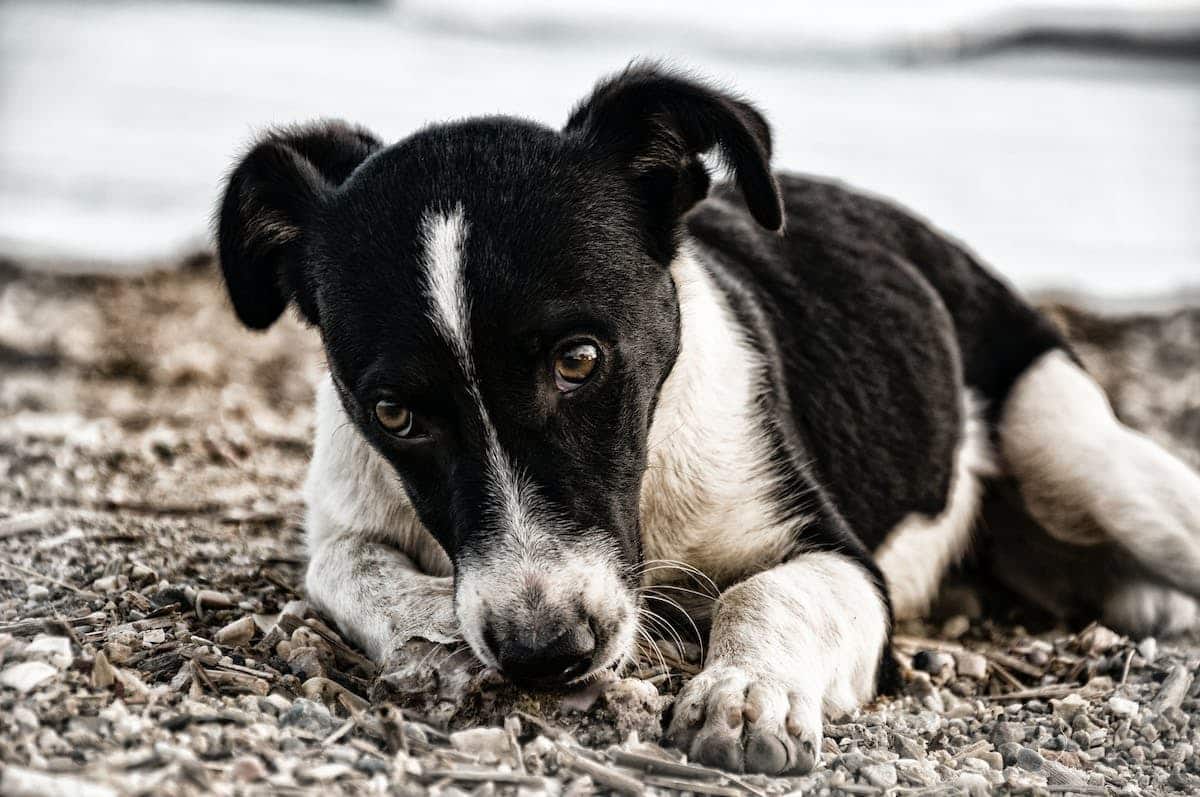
(1142,609)
(741,721)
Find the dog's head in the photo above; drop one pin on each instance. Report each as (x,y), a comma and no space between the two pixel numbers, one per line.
(498,314)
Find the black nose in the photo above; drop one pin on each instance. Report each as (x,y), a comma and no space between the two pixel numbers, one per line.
(544,658)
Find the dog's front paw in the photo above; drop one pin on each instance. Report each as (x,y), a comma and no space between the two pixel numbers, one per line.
(742,721)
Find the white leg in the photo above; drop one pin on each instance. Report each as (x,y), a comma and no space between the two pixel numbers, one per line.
(373,569)
(1086,477)
(378,597)
(920,549)
(787,646)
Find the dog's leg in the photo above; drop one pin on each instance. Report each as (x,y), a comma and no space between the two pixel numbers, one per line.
(787,646)
(373,568)
(1087,478)
(378,597)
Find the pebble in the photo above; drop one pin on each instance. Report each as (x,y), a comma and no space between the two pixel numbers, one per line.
(249,769)
(1069,706)
(56,649)
(310,716)
(971,665)
(974,784)
(37,592)
(1148,649)
(1122,707)
(1098,639)
(103,674)
(237,633)
(108,584)
(211,599)
(881,776)
(152,637)
(491,743)
(27,675)
(934,662)
(1008,752)
(1030,760)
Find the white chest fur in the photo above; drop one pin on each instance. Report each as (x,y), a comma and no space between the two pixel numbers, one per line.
(705,495)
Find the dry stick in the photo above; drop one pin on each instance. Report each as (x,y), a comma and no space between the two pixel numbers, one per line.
(605,776)
(1125,671)
(486,776)
(25,523)
(679,784)
(50,579)
(339,733)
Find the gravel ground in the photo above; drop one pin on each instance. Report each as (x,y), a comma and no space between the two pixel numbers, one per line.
(152,640)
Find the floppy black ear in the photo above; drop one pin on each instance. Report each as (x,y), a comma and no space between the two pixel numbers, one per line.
(268,208)
(656,123)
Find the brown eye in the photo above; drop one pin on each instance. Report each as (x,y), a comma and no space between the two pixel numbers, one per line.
(395,419)
(574,365)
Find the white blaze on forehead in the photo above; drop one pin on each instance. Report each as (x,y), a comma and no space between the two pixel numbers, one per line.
(443,236)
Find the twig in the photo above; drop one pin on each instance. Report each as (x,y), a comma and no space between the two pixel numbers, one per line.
(486,776)
(603,775)
(26,523)
(1125,671)
(49,579)
(680,784)
(339,733)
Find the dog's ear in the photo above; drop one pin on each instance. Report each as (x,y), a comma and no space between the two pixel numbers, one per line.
(655,124)
(269,205)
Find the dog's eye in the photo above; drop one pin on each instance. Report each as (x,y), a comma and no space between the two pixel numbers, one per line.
(574,365)
(395,419)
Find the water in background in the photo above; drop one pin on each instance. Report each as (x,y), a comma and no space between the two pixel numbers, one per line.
(1065,160)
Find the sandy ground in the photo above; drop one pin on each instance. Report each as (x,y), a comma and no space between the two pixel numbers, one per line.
(152,639)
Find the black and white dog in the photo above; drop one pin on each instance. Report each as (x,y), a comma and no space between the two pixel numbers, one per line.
(565,377)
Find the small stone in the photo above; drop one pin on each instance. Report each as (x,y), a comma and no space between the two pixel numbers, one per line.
(25,718)
(1069,706)
(211,599)
(152,637)
(308,716)
(249,769)
(55,649)
(491,743)
(1122,707)
(307,662)
(971,665)
(1008,732)
(1030,760)
(237,633)
(881,776)
(956,626)
(37,592)
(139,572)
(109,584)
(1098,639)
(974,784)
(1009,751)
(1148,649)
(118,652)
(103,674)
(934,662)
(27,675)
(908,747)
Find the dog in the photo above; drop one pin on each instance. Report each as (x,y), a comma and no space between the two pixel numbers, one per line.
(569,377)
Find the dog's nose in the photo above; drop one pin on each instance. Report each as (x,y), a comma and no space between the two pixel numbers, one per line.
(524,657)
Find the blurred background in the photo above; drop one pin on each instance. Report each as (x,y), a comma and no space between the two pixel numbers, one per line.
(1061,141)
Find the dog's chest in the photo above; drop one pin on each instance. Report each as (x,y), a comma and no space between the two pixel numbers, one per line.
(706,495)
